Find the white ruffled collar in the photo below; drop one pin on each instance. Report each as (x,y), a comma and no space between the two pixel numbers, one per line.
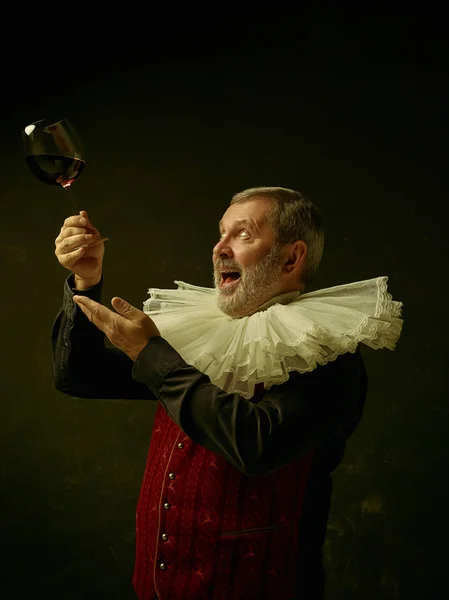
(290,332)
(281,299)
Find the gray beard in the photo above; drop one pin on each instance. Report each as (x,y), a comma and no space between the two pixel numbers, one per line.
(256,285)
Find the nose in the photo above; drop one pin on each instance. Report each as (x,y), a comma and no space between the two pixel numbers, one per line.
(222,248)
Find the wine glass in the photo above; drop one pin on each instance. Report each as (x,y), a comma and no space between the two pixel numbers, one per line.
(54,154)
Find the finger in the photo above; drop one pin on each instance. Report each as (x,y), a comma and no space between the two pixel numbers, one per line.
(75,221)
(68,244)
(98,314)
(91,312)
(87,302)
(69,259)
(93,317)
(126,309)
(67,232)
(90,226)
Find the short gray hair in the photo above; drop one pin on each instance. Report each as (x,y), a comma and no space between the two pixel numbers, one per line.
(293,217)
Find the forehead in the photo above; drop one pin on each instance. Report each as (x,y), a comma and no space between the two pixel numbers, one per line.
(254,211)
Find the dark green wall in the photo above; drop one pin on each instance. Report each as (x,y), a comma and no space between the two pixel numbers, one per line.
(167,144)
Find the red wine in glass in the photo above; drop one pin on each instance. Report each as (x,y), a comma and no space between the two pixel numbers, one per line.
(54,154)
(55,169)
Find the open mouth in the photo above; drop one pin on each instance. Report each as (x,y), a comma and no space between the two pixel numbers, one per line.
(228,278)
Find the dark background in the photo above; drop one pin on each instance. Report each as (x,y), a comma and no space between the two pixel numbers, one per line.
(178,112)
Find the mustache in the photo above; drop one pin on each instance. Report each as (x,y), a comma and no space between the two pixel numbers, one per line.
(219,267)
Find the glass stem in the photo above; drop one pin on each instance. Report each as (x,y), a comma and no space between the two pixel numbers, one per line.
(75,209)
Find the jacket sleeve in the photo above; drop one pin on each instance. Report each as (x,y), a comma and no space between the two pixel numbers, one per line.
(82,364)
(257,438)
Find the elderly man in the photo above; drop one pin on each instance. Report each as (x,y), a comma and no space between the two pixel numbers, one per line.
(258,388)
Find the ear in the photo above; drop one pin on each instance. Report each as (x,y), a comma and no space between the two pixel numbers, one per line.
(297,252)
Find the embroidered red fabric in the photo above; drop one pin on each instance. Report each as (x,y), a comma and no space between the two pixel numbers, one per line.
(206,531)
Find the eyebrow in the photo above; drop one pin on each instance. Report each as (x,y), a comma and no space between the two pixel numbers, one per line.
(238,223)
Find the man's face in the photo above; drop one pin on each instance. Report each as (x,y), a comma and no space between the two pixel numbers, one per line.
(248,249)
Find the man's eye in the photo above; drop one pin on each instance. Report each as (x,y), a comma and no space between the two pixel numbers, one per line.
(242,231)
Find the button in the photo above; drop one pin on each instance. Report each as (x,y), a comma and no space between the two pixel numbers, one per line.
(171,475)
(164,536)
(162,566)
(166,506)
(180,445)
